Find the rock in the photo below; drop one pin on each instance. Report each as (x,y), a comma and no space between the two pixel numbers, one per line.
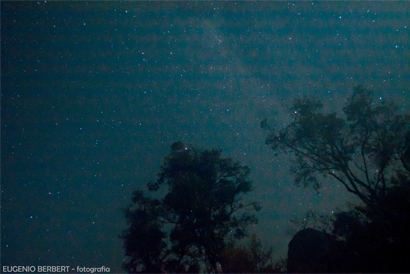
(311,250)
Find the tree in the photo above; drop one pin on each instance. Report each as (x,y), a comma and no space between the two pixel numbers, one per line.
(367,151)
(247,259)
(364,151)
(144,243)
(377,236)
(202,210)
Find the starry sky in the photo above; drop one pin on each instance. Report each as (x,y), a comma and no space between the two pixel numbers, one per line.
(94,93)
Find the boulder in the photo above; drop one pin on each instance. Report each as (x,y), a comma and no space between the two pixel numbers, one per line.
(311,250)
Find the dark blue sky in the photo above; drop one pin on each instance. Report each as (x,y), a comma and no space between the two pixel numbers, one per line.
(93,95)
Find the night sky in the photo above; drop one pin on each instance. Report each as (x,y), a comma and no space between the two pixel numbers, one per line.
(93,95)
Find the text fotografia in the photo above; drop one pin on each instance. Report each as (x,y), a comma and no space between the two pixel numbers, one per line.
(53,269)
(101,269)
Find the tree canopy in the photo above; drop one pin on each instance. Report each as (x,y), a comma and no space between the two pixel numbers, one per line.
(377,236)
(364,151)
(367,150)
(201,212)
(248,259)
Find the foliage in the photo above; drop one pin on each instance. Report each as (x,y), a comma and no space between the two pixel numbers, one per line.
(377,236)
(247,259)
(203,210)
(144,240)
(367,151)
(364,151)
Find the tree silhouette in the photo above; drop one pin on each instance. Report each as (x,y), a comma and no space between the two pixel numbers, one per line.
(247,259)
(367,151)
(363,151)
(144,243)
(377,236)
(202,210)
